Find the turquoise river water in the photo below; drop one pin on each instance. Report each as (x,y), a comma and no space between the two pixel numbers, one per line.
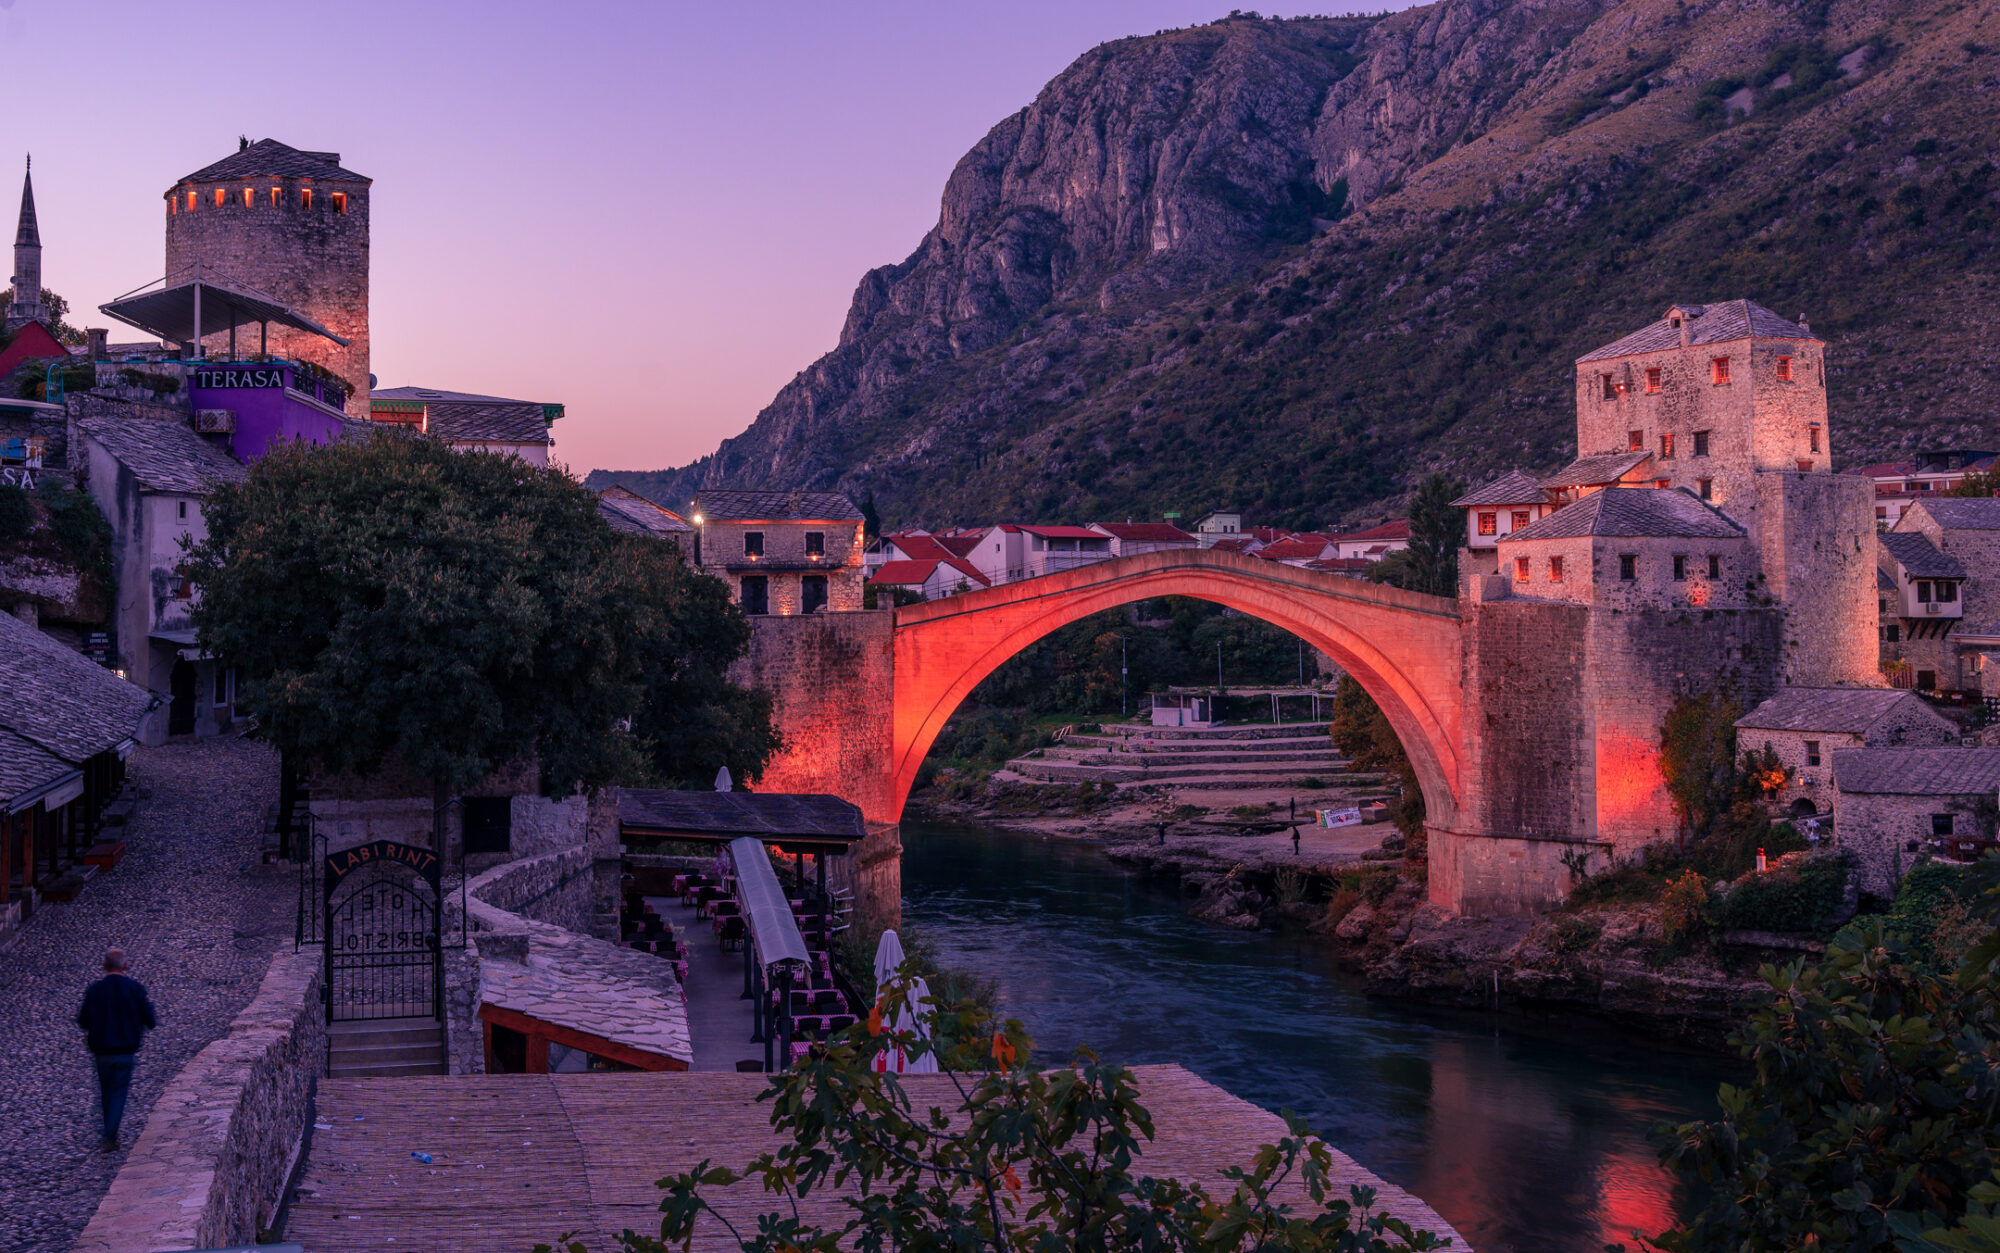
(1529,1136)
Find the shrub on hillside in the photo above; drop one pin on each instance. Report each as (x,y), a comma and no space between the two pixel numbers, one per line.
(1799,897)
(17,514)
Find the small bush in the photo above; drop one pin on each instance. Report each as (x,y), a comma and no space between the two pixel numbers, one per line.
(1247,811)
(1377,887)
(1797,898)
(1312,780)
(1288,885)
(79,527)
(1684,911)
(17,514)
(1573,935)
(1341,904)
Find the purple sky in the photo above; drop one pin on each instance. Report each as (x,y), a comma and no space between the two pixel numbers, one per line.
(653,213)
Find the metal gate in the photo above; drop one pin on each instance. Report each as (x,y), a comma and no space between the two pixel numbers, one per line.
(383,956)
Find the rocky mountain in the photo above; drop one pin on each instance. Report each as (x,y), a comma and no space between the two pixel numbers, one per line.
(1292,266)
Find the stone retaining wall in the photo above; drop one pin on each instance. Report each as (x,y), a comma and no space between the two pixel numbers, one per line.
(210,1168)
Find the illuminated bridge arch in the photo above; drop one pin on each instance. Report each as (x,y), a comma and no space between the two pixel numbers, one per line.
(1402,647)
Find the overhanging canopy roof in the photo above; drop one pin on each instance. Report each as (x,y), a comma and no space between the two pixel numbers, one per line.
(171,310)
(774,817)
(774,933)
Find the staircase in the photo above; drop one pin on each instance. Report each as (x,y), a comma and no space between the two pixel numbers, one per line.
(1188,757)
(381,1047)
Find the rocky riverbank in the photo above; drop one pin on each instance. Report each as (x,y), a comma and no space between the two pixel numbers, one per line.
(1355,888)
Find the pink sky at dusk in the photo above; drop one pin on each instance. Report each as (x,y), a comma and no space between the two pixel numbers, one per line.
(652,213)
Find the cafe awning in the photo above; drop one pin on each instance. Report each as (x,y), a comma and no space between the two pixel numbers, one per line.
(183,308)
(774,933)
(794,822)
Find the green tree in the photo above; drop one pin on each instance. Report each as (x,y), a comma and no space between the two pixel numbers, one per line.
(1362,733)
(388,597)
(1026,1160)
(1430,563)
(1698,759)
(58,314)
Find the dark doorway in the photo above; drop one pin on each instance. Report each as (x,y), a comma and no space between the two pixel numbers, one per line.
(756,594)
(489,824)
(1803,808)
(181,685)
(812,589)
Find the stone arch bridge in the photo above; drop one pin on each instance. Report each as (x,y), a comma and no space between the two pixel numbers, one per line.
(1526,757)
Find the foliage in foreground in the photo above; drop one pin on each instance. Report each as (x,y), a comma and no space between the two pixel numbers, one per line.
(1870,1119)
(391,598)
(1023,1161)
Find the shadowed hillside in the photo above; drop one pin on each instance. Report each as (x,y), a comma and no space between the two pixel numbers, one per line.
(1291,266)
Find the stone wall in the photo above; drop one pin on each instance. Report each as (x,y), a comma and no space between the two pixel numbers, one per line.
(832,682)
(784,560)
(211,1166)
(1889,834)
(1818,550)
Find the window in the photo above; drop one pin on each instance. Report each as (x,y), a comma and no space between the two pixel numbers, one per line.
(183,508)
(190,201)
(1895,633)
(224,681)
(1653,380)
(815,543)
(1680,568)
(1628,566)
(1805,465)
(249,198)
(305,197)
(1881,513)
(184,589)
(1489,523)
(1705,488)
(340,202)
(1610,388)
(173,206)
(1812,438)
(1947,591)
(1812,752)
(1555,569)
(1520,519)
(221,197)
(812,593)
(1924,589)
(753,543)
(1718,370)
(277,197)
(1701,443)
(1634,441)
(1666,446)
(1941,824)
(1927,680)
(756,596)
(1784,369)
(1663,484)
(1520,569)
(489,824)
(1714,566)
(1881,605)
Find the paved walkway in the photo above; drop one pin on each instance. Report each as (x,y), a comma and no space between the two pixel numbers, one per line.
(719,1018)
(200,919)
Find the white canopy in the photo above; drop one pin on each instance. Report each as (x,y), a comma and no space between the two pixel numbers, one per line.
(913,1016)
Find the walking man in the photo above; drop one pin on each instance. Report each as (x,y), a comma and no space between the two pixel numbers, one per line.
(114,1017)
(1295,840)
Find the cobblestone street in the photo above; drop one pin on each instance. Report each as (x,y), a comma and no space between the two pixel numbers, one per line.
(200,919)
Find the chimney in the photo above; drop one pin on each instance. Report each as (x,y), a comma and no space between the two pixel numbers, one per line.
(1805,325)
(100,343)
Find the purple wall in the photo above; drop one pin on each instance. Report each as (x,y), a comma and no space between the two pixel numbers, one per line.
(268,398)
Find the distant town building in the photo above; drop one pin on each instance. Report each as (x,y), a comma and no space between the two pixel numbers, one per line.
(628,511)
(1941,616)
(1129,538)
(782,552)
(1900,484)
(1214,526)
(1374,543)
(1896,807)
(1804,727)
(471,422)
(924,565)
(1054,549)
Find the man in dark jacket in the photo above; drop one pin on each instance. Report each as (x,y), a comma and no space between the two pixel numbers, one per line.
(114,1017)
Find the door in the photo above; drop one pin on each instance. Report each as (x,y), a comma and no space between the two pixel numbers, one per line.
(181,686)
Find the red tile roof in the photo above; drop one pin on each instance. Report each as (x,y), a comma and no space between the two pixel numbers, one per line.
(962,543)
(1398,528)
(1235,544)
(1157,532)
(1296,549)
(1063,532)
(917,573)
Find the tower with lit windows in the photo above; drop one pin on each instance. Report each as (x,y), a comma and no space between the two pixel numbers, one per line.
(292,225)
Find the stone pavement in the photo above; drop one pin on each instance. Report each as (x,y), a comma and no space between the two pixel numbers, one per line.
(200,919)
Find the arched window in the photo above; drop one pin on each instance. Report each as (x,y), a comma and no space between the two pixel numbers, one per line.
(249,198)
(221,197)
(277,197)
(340,202)
(190,200)
(305,197)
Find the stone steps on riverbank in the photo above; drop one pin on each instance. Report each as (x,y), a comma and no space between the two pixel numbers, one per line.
(1042,769)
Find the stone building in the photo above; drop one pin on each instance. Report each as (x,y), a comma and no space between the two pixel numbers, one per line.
(1896,807)
(292,225)
(471,422)
(1945,637)
(632,513)
(1624,548)
(782,553)
(1805,726)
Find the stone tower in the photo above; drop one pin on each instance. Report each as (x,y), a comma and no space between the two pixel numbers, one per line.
(27,305)
(292,225)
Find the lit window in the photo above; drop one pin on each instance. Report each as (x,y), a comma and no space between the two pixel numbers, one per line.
(1555,569)
(1705,488)
(1784,369)
(1489,523)
(173,205)
(190,200)
(815,543)
(1718,369)
(1666,446)
(277,197)
(340,202)
(753,543)
(1680,568)
(1812,437)
(249,198)
(1610,388)
(1663,484)
(1653,379)
(1634,441)
(1628,566)
(1520,519)
(1714,566)
(1701,443)
(221,197)
(1805,464)
(305,197)
(1812,752)
(1520,569)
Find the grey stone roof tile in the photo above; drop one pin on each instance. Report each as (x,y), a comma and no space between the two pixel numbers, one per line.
(26,766)
(1883,583)
(726,506)
(626,510)
(1597,469)
(1514,488)
(770,815)
(1637,512)
(1714,324)
(1851,710)
(267,158)
(164,456)
(1962,513)
(59,699)
(507,422)
(1917,771)
(1914,551)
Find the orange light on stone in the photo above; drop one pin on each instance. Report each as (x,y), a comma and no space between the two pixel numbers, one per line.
(1698,594)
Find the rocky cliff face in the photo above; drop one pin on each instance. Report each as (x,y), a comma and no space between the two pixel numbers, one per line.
(1291,265)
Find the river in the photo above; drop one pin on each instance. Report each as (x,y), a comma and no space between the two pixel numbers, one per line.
(1528,1136)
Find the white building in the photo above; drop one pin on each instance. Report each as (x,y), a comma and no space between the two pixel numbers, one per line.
(1130,538)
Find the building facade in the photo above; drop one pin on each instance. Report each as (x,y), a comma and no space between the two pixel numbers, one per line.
(782,553)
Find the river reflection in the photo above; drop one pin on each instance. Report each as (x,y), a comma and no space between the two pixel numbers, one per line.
(1529,1138)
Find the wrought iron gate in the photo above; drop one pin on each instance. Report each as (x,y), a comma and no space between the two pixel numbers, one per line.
(383,956)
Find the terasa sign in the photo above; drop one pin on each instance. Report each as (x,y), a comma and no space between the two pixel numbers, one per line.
(221,379)
(379,852)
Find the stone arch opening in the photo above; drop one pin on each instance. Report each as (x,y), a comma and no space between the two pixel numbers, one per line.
(1402,647)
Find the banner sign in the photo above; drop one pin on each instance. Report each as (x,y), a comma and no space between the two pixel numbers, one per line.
(259,376)
(343,863)
(1340,817)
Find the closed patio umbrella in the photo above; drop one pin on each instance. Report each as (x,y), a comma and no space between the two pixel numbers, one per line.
(889,958)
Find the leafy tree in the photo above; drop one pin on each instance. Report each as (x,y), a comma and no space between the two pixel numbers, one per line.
(1021,1160)
(1430,563)
(58,314)
(1698,759)
(389,597)
(1362,732)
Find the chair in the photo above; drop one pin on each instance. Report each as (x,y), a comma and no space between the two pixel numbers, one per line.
(837,1023)
(829,1001)
(733,932)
